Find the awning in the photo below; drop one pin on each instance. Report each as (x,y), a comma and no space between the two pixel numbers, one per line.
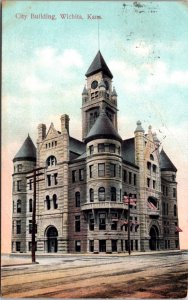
(178,229)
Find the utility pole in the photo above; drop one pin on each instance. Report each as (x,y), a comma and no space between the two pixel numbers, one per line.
(34,176)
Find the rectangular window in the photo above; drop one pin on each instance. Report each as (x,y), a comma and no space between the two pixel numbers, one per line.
(101,148)
(30,184)
(154,168)
(102,221)
(77,223)
(134,179)
(163,189)
(19,168)
(91,246)
(74,176)
(174,193)
(114,245)
(114,226)
(101,170)
(91,171)
(168,244)
(81,174)
(102,245)
(130,178)
(91,222)
(91,149)
(112,170)
(148,182)
(112,148)
(29,246)
(131,245)
(55,179)
(49,180)
(124,175)
(154,184)
(30,226)
(78,246)
(166,191)
(126,245)
(19,185)
(136,245)
(120,171)
(167,209)
(18,226)
(18,246)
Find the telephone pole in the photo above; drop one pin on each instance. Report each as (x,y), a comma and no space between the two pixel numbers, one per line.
(34,176)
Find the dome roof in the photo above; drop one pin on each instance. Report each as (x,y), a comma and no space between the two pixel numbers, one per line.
(103,128)
(97,65)
(27,151)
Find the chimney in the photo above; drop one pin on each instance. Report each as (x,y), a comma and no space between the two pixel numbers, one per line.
(65,123)
(41,132)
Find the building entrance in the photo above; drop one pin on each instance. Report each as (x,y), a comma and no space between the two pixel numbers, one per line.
(154,238)
(52,244)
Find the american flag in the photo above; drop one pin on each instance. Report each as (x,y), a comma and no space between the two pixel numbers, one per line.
(129,200)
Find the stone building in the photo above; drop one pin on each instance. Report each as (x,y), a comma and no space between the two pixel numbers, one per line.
(88,187)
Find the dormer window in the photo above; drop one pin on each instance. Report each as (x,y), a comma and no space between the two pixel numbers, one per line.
(51,161)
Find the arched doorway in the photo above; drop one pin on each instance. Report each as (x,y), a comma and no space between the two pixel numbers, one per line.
(154,238)
(52,244)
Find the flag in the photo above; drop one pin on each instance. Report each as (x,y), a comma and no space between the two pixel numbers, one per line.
(178,229)
(129,200)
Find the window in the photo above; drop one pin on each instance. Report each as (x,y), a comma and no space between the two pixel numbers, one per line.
(151,157)
(112,148)
(91,171)
(18,226)
(91,246)
(47,202)
(114,226)
(77,223)
(130,177)
(154,184)
(30,184)
(112,170)
(134,179)
(174,193)
(114,245)
(91,222)
(30,205)
(175,210)
(101,148)
(124,175)
(13,206)
(74,176)
(55,143)
(81,174)
(148,182)
(163,189)
(101,193)
(126,245)
(166,191)
(49,180)
(102,221)
(120,171)
(101,170)
(167,208)
(51,161)
(131,245)
(19,168)
(55,201)
(113,194)
(19,206)
(78,246)
(173,178)
(91,149)
(55,179)
(91,195)
(154,168)
(148,165)
(29,246)
(19,185)
(102,245)
(77,199)
(30,226)
(18,246)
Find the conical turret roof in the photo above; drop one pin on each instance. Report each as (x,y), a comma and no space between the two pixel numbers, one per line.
(103,128)
(27,151)
(165,162)
(97,65)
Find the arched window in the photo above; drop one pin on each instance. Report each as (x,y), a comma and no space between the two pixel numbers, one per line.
(30,205)
(47,202)
(175,210)
(51,161)
(55,201)
(101,194)
(19,208)
(91,195)
(77,199)
(151,157)
(113,194)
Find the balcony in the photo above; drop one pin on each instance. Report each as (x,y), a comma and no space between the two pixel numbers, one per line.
(103,205)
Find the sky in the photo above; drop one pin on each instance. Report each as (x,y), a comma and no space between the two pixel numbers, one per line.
(44,62)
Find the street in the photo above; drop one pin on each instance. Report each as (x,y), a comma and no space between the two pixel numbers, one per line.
(156,275)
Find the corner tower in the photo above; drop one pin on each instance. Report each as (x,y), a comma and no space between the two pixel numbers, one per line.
(98,94)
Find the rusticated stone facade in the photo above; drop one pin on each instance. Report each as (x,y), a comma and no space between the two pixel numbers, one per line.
(81,196)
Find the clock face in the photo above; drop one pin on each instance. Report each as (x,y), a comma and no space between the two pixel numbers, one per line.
(94,84)
(107,84)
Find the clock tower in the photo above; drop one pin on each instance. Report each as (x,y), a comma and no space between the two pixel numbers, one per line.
(98,94)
